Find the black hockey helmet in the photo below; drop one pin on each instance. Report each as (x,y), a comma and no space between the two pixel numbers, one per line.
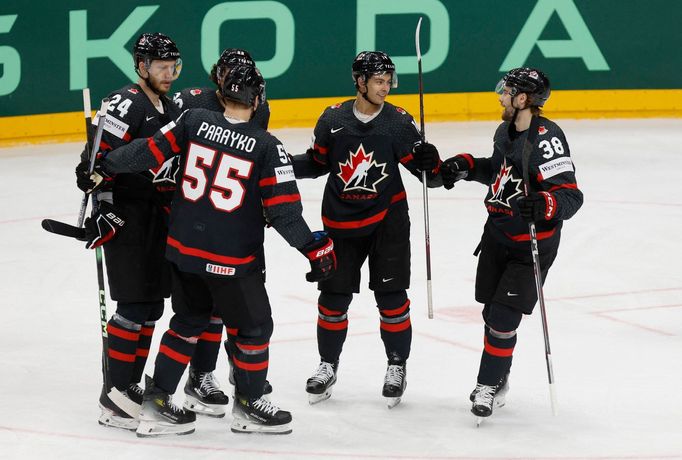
(526,80)
(156,46)
(243,84)
(229,58)
(369,63)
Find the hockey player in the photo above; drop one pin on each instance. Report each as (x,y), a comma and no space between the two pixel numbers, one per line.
(138,274)
(211,99)
(360,143)
(234,175)
(505,282)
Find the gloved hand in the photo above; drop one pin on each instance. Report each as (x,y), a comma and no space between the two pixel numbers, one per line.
(537,206)
(320,253)
(455,169)
(98,180)
(103,225)
(425,156)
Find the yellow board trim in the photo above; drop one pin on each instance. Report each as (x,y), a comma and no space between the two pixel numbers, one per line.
(286,113)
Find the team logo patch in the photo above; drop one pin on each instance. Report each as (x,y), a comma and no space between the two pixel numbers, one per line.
(401,110)
(133,90)
(361,171)
(505,186)
(167,172)
(542,130)
(195,92)
(335,106)
(220,270)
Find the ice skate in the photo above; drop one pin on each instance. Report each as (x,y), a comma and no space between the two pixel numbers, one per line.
(259,416)
(135,393)
(115,412)
(319,386)
(267,388)
(485,398)
(395,381)
(203,395)
(159,416)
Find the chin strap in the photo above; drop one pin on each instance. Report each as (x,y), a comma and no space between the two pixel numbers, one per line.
(364,95)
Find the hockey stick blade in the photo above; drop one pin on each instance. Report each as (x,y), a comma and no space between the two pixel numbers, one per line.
(60,228)
(128,406)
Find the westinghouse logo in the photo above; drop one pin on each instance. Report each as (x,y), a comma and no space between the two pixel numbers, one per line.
(220,270)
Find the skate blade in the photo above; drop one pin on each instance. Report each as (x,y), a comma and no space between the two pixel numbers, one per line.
(314,399)
(479,420)
(245,426)
(152,429)
(392,402)
(198,407)
(110,420)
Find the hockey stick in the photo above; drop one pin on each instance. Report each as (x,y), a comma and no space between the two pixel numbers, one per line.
(113,393)
(525,156)
(427,237)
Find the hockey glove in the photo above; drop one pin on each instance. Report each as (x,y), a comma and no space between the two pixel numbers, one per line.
(455,169)
(425,156)
(320,253)
(103,225)
(537,206)
(88,183)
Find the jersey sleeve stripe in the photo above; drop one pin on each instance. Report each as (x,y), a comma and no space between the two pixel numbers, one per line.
(158,155)
(407,158)
(173,142)
(560,186)
(208,255)
(355,223)
(320,149)
(399,197)
(267,181)
(281,199)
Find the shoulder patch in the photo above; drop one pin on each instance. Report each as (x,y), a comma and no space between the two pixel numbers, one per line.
(195,92)
(542,130)
(555,167)
(116,127)
(133,90)
(336,106)
(401,110)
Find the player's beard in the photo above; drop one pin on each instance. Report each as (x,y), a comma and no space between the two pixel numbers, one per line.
(508,113)
(157,87)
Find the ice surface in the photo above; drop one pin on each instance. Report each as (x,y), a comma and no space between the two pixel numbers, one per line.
(613,299)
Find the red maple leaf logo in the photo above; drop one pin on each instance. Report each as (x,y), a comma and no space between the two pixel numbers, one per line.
(356,170)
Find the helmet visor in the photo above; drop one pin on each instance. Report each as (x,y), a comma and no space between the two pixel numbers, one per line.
(500,88)
(162,69)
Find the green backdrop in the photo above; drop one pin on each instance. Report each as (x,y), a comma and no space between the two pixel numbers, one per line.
(50,50)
